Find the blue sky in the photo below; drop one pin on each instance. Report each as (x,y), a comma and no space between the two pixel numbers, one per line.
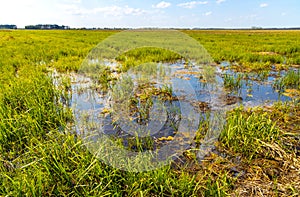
(152,13)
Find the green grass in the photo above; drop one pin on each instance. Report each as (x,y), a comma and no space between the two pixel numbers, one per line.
(290,80)
(233,82)
(245,133)
(261,143)
(38,154)
(248,47)
(41,156)
(63,50)
(139,56)
(30,106)
(60,165)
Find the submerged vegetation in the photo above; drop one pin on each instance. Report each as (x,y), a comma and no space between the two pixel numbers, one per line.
(258,152)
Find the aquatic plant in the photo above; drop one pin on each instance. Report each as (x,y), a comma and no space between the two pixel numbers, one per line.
(290,80)
(233,82)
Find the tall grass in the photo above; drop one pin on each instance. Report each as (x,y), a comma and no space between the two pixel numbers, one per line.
(245,132)
(249,48)
(29,106)
(233,82)
(290,80)
(40,155)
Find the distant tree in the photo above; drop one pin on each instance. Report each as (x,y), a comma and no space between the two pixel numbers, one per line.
(8,26)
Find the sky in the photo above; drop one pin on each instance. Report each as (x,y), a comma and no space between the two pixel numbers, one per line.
(152,13)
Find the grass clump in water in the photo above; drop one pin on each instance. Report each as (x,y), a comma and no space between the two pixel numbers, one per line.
(290,80)
(233,82)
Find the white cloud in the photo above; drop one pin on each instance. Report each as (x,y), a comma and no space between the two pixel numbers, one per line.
(73,9)
(220,1)
(207,13)
(228,20)
(283,14)
(107,11)
(162,5)
(192,4)
(118,11)
(263,5)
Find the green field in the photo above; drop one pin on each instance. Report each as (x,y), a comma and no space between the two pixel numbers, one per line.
(258,151)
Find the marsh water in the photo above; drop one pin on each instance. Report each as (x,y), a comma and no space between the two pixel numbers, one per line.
(210,101)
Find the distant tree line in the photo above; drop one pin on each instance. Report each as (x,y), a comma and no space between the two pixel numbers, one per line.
(54,26)
(46,26)
(8,26)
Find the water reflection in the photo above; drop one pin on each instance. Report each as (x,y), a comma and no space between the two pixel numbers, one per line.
(151,107)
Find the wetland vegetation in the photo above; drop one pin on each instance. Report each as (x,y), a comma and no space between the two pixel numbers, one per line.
(257,152)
